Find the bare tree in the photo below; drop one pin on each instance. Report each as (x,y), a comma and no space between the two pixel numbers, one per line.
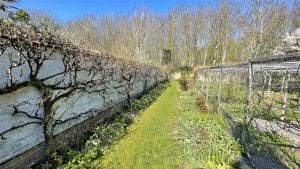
(263,23)
(45,19)
(295,15)
(194,34)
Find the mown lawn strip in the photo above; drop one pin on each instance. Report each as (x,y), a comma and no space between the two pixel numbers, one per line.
(150,142)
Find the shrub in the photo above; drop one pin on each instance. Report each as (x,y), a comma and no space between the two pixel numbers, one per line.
(201,103)
(184,85)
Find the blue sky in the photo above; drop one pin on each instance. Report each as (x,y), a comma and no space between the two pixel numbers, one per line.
(68,9)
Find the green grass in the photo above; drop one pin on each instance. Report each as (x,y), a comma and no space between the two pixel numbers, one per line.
(233,100)
(171,133)
(150,142)
(100,138)
(205,137)
(233,103)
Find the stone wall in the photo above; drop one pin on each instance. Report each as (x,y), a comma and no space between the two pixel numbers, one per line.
(51,91)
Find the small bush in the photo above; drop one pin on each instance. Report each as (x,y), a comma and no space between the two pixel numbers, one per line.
(140,104)
(206,142)
(201,103)
(185,68)
(184,85)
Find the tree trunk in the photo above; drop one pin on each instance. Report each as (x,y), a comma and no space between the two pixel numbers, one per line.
(48,121)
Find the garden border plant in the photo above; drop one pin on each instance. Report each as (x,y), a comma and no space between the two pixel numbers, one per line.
(97,140)
(205,135)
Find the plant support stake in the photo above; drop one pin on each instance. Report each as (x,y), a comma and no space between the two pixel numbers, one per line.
(245,134)
(285,86)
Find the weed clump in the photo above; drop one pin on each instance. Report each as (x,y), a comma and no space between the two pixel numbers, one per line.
(206,141)
(183,83)
(201,103)
(204,137)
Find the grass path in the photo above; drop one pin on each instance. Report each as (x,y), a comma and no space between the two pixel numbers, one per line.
(150,142)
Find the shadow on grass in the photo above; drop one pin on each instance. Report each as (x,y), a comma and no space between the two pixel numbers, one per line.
(253,156)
